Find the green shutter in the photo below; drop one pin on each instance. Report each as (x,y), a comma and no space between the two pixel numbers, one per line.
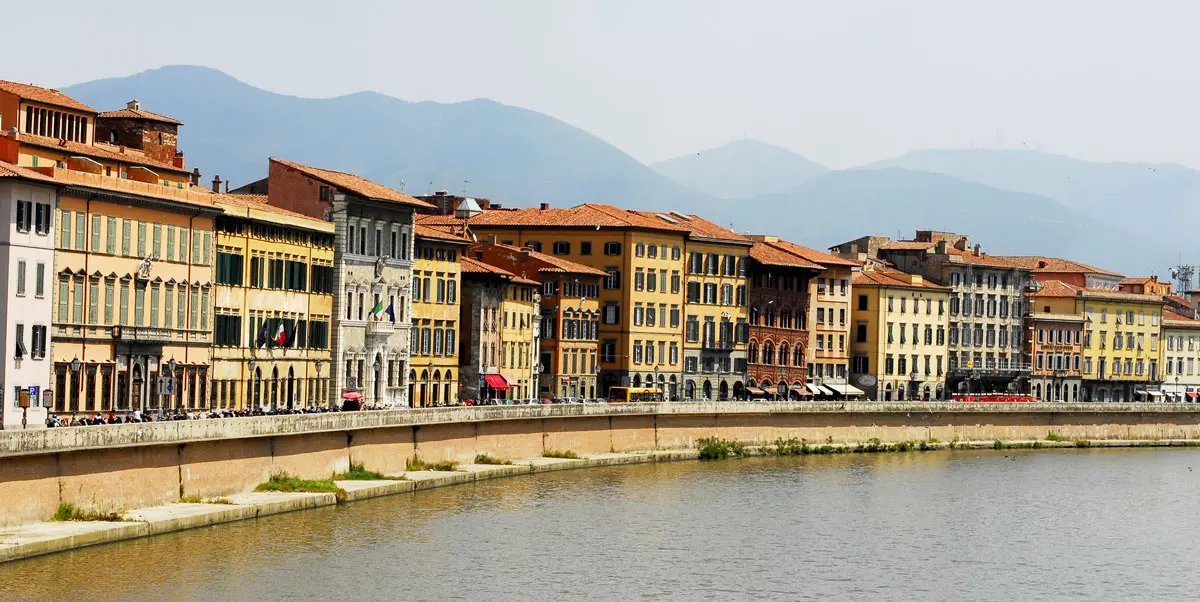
(95,233)
(123,319)
(80,227)
(141,243)
(64,226)
(157,248)
(125,237)
(112,236)
(170,243)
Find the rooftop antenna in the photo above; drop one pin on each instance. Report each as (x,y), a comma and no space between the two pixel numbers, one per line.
(1182,275)
(401,185)
(465,184)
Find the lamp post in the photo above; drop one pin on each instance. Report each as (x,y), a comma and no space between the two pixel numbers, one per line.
(250,384)
(1177,393)
(376,367)
(171,383)
(317,387)
(429,371)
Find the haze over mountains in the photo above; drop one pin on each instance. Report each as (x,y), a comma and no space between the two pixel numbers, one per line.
(1126,217)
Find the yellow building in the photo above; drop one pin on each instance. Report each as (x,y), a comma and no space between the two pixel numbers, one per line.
(715,327)
(1120,339)
(437,277)
(134,249)
(499,333)
(899,335)
(274,273)
(643,257)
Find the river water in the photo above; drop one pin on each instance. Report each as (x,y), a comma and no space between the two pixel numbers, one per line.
(961,525)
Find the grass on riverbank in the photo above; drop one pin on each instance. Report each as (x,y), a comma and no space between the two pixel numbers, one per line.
(195,499)
(287,483)
(68,512)
(358,472)
(486,459)
(561,454)
(417,464)
(713,448)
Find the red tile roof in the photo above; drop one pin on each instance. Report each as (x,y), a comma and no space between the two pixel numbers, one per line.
(1055,264)
(1135,280)
(1056,288)
(695,225)
(474,266)
(892,279)
(354,184)
(983,259)
(138,114)
(8,170)
(768,255)
(67,147)
(259,202)
(44,96)
(813,255)
(907,245)
(554,264)
(1174,317)
(587,215)
(435,233)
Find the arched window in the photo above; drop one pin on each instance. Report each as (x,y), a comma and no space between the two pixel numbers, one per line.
(770,321)
(798,356)
(754,315)
(752,353)
(785,318)
(637,380)
(783,354)
(768,353)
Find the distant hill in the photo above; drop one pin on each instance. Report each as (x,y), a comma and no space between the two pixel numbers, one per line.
(739,169)
(1154,199)
(843,205)
(508,154)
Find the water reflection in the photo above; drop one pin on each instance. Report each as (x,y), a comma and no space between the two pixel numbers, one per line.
(964,525)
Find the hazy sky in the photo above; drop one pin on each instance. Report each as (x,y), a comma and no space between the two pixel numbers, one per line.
(843,82)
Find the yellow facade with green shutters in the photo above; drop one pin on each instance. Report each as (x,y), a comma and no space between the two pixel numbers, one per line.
(437,281)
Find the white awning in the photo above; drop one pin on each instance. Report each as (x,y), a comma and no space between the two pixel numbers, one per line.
(815,390)
(1155,393)
(846,389)
(826,390)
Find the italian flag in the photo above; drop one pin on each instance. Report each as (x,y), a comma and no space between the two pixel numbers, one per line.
(378,308)
(280,335)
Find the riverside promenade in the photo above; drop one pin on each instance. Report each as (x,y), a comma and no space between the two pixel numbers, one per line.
(142,472)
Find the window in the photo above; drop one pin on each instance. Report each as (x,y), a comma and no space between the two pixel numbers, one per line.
(613,281)
(639,249)
(25,215)
(612,248)
(562,248)
(64,228)
(862,302)
(585,248)
(21,278)
(80,226)
(652,252)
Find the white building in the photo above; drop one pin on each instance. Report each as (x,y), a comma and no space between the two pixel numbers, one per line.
(27,259)
(1181,358)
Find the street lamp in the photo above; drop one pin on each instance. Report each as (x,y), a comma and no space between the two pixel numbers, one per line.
(171,368)
(76,366)
(317,388)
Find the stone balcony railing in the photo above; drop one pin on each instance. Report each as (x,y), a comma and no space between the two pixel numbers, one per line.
(380,329)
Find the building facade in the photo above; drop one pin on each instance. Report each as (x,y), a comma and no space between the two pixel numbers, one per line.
(437,278)
(1180,358)
(372,275)
(27,235)
(1120,340)
(987,309)
(569,330)
(900,323)
(1054,345)
(778,309)
(273,309)
(500,334)
(643,258)
(828,354)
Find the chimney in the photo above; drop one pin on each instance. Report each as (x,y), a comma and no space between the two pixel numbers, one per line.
(226,186)
(216,183)
(941,247)
(961,244)
(195,176)
(134,104)
(977,249)
(544,206)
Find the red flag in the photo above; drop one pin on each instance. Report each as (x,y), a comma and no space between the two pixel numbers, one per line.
(281,336)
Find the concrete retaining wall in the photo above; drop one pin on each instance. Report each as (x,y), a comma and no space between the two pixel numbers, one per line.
(120,467)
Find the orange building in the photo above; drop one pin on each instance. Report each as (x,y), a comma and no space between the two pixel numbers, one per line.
(1145,286)
(570,315)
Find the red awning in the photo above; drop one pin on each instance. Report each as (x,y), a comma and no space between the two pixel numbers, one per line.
(496,381)
(1193,394)
(352,395)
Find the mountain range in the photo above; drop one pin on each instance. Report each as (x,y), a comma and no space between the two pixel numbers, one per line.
(1014,202)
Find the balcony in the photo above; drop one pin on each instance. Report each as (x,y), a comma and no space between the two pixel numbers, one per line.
(380,329)
(713,344)
(141,334)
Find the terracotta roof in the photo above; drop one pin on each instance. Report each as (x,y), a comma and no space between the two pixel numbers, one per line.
(259,202)
(892,279)
(474,266)
(555,264)
(813,255)
(67,177)
(354,184)
(587,215)
(1171,316)
(138,114)
(430,232)
(768,255)
(8,170)
(982,259)
(132,156)
(1134,281)
(694,224)
(1177,299)
(907,245)
(44,96)
(1056,288)
(1055,264)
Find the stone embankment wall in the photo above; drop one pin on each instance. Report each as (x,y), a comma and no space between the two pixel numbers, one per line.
(119,467)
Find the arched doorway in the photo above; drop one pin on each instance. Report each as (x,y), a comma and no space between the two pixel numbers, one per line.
(435,387)
(925,393)
(424,390)
(739,390)
(637,380)
(689,390)
(673,392)
(448,388)
(900,393)
(707,390)
(258,389)
(378,388)
(274,402)
(291,388)
(887,392)
(138,381)
(941,391)
(723,391)
(412,384)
